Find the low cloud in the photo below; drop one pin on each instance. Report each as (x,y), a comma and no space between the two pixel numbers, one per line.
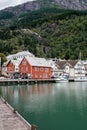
(8,3)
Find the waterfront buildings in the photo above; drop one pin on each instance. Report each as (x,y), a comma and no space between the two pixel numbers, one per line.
(11,67)
(73,68)
(20,55)
(26,65)
(35,68)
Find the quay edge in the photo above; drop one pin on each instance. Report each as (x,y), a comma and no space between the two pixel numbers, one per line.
(28,81)
(25,81)
(12,118)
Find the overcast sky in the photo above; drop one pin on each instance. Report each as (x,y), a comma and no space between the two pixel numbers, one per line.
(7,3)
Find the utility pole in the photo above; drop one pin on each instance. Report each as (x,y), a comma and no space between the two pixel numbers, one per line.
(0,65)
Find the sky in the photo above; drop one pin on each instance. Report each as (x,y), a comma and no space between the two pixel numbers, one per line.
(8,3)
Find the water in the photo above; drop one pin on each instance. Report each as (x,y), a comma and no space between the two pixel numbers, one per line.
(56,106)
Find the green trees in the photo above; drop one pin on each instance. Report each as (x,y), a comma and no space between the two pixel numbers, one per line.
(3,58)
(60,34)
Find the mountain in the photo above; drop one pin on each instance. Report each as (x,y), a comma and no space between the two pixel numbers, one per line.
(12,15)
(46,28)
(72,4)
(38,4)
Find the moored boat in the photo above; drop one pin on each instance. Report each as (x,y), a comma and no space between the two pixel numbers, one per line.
(80,79)
(61,79)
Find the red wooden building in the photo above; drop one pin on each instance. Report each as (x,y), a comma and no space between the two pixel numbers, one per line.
(35,68)
(11,68)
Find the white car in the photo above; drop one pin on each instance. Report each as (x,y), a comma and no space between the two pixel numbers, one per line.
(2,77)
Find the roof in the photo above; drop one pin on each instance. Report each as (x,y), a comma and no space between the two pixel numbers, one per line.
(24,53)
(35,61)
(62,64)
(5,63)
(16,62)
(19,54)
(72,62)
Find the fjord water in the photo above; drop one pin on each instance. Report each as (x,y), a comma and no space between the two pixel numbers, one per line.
(56,106)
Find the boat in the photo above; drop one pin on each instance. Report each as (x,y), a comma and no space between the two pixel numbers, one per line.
(81,79)
(61,79)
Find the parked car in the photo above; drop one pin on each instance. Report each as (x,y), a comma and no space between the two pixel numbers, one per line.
(2,77)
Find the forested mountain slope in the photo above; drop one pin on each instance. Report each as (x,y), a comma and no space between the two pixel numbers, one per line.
(61,35)
(46,31)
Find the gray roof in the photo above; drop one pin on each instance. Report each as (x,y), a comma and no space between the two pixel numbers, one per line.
(16,62)
(35,61)
(20,54)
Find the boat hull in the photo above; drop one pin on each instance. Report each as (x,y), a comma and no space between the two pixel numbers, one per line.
(81,79)
(58,80)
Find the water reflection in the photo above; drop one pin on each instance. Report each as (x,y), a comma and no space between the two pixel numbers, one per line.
(77,91)
(24,91)
(70,92)
(56,101)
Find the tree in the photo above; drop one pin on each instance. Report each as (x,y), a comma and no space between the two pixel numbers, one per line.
(3,58)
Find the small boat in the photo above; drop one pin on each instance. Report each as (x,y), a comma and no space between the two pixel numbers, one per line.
(61,79)
(80,79)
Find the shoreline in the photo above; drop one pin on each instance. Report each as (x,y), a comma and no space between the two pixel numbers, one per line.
(10,119)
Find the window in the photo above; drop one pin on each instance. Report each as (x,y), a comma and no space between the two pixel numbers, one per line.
(45,76)
(9,68)
(12,68)
(46,69)
(26,69)
(35,68)
(36,76)
(41,76)
(41,68)
(24,62)
(21,68)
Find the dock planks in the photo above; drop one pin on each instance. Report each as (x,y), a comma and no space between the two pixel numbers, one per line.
(10,120)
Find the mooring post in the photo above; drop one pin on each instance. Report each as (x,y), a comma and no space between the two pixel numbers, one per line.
(34,127)
(14,110)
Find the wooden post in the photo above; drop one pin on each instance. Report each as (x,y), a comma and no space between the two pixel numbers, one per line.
(5,102)
(34,127)
(15,110)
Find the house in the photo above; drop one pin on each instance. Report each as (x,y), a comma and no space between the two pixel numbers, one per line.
(11,68)
(53,66)
(20,55)
(61,65)
(85,64)
(70,67)
(35,68)
(4,68)
(79,69)
(73,68)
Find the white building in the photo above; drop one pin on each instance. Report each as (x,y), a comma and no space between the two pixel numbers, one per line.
(20,55)
(79,69)
(54,67)
(72,67)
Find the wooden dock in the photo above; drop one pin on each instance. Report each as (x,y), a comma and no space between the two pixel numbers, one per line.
(24,81)
(28,81)
(10,119)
